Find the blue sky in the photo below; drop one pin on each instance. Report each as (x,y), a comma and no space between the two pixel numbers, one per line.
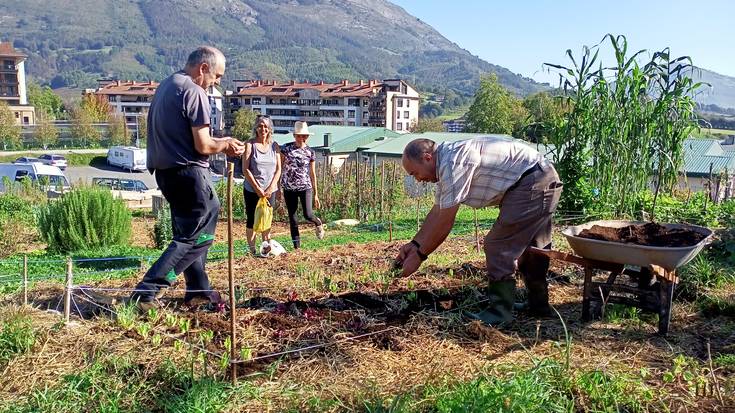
(521,35)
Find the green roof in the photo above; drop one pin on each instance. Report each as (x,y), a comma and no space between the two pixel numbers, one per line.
(699,154)
(345,139)
(394,147)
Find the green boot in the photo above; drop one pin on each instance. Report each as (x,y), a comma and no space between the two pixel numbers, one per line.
(499,310)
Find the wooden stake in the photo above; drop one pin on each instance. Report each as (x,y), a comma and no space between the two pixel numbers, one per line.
(358,184)
(418,205)
(230,273)
(25,280)
(382,190)
(67,291)
(477,232)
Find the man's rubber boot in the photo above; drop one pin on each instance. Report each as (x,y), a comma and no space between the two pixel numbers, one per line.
(538,297)
(499,309)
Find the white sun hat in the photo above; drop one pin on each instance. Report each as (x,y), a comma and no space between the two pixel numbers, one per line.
(301,128)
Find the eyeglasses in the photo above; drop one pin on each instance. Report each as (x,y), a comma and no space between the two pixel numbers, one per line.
(263,116)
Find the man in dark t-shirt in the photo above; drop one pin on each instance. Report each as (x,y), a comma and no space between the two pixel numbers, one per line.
(179,145)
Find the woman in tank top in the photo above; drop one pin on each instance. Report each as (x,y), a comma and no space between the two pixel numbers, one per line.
(261,167)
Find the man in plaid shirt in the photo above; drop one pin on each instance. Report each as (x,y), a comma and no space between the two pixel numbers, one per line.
(480,172)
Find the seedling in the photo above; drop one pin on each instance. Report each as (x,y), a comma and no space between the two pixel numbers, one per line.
(143,329)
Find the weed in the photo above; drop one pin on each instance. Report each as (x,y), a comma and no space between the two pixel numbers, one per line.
(16,336)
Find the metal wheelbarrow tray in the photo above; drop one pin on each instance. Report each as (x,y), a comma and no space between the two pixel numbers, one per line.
(668,258)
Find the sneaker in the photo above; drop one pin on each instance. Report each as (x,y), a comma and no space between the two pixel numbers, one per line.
(320,231)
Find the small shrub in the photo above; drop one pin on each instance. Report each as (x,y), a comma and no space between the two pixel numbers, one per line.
(16,337)
(85,218)
(162,230)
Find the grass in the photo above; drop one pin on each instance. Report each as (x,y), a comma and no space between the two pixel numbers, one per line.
(44,265)
(117,384)
(16,336)
(120,384)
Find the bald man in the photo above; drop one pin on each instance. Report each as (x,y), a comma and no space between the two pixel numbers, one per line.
(179,145)
(480,172)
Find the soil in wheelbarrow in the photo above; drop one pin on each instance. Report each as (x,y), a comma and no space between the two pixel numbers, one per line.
(649,234)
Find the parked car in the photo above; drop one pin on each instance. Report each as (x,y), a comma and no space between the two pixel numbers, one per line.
(121,184)
(50,176)
(53,160)
(127,157)
(27,159)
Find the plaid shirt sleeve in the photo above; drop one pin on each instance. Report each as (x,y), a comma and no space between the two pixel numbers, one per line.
(455,177)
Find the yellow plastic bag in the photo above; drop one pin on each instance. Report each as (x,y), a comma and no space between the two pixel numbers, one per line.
(263,215)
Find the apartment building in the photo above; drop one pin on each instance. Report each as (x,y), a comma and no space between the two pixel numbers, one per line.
(13,84)
(392,103)
(454,125)
(132,99)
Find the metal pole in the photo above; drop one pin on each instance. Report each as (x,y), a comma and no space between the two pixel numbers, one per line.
(67,292)
(230,273)
(25,280)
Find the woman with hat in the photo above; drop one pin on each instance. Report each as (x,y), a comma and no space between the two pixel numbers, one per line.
(261,167)
(299,181)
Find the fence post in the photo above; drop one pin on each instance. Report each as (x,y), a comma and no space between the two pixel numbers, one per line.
(418,205)
(382,190)
(358,185)
(67,291)
(25,280)
(477,232)
(230,273)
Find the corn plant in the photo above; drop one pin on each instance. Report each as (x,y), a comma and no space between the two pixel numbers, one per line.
(625,124)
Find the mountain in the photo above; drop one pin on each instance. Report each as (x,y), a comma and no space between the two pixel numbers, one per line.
(721,91)
(73,42)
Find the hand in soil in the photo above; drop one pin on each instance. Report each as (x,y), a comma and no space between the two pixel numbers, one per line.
(410,264)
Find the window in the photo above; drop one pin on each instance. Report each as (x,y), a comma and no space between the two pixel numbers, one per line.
(408,103)
(26,120)
(365,115)
(256,101)
(405,114)
(399,126)
(400,103)
(350,114)
(365,103)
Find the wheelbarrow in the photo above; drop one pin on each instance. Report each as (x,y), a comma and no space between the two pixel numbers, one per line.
(654,269)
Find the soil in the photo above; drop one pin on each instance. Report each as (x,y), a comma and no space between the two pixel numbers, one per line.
(650,234)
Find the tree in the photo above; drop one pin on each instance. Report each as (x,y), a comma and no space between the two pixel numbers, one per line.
(117,132)
(82,128)
(46,132)
(142,129)
(44,99)
(427,125)
(9,128)
(544,110)
(495,109)
(96,106)
(243,127)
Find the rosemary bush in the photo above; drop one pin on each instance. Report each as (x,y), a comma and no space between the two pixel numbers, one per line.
(85,218)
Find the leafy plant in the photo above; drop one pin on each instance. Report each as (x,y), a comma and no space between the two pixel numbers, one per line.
(162,229)
(85,218)
(623,124)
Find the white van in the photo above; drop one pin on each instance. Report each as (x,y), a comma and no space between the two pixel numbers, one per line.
(127,157)
(36,172)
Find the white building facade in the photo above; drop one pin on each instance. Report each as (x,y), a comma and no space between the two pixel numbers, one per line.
(392,103)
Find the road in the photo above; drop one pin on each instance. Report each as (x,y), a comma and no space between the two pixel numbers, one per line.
(56,151)
(85,173)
